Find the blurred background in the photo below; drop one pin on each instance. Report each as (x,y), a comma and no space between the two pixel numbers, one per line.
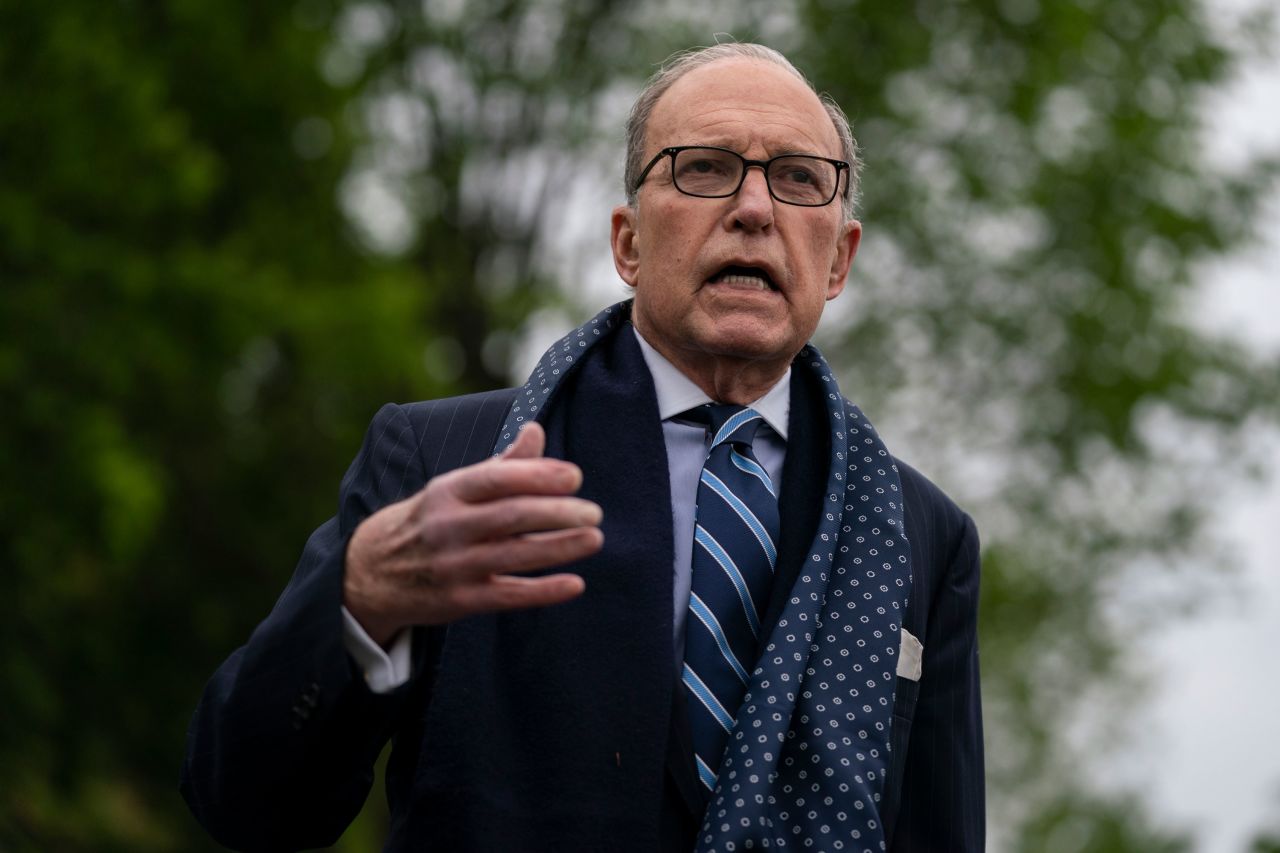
(230,231)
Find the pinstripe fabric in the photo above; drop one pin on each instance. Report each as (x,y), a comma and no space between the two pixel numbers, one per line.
(937,801)
(734,555)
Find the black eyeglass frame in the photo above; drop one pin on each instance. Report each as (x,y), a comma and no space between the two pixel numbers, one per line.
(673,150)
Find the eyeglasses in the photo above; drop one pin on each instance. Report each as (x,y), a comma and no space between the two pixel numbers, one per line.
(708,172)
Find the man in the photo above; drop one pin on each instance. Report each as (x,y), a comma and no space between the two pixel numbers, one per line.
(647,623)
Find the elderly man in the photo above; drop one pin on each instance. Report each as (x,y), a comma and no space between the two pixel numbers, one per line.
(671,594)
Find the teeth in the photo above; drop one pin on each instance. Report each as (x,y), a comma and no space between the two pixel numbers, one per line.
(753,280)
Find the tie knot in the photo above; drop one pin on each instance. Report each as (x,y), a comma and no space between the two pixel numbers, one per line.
(727,423)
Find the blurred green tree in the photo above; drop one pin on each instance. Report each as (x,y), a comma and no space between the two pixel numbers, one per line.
(228,233)
(190,344)
(1040,206)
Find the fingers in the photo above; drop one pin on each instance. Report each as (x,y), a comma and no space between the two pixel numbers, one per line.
(517,554)
(514,516)
(506,477)
(521,469)
(451,549)
(473,581)
(504,592)
(529,443)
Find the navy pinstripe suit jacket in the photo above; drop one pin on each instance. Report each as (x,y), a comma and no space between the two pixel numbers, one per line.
(556,729)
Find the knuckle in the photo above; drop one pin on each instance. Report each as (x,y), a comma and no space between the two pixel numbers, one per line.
(463,565)
(451,600)
(425,577)
(522,515)
(444,569)
(431,530)
(485,476)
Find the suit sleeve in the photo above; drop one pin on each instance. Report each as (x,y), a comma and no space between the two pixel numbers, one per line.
(943,804)
(281,749)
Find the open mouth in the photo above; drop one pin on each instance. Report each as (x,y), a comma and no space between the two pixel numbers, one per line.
(747,278)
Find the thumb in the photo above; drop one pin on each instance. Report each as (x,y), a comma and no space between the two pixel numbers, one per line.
(529,444)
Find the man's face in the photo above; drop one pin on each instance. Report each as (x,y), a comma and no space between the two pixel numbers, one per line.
(680,253)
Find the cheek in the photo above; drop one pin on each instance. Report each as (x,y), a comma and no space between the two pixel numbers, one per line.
(676,237)
(821,259)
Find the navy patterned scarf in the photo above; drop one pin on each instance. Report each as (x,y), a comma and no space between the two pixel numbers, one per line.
(806,760)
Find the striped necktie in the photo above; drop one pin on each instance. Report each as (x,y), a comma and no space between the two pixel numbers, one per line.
(734,554)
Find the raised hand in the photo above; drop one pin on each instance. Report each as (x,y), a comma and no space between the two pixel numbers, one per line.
(456,547)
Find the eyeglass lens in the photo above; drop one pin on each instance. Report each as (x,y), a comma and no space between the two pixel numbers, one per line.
(798,179)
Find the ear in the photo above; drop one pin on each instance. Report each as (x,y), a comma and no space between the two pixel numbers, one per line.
(846,248)
(624,240)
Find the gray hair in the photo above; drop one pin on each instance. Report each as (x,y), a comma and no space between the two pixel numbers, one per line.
(681,63)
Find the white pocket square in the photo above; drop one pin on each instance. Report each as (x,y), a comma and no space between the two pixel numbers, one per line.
(910,655)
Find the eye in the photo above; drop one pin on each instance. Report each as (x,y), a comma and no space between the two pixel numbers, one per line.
(703,166)
(796,173)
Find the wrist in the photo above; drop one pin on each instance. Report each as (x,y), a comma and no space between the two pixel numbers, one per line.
(356,593)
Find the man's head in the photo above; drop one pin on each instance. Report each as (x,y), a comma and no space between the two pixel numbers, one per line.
(730,288)
(681,64)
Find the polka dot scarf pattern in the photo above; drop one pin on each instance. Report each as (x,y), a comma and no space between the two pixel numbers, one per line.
(804,766)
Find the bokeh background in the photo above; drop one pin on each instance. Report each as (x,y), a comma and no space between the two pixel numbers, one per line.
(230,231)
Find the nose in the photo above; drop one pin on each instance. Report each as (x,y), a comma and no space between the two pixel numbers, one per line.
(753,206)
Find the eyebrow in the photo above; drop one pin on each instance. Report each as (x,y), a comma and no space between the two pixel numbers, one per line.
(769,154)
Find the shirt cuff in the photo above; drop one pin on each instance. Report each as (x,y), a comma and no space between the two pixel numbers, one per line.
(384,669)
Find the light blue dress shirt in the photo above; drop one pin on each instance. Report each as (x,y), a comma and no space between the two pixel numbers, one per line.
(687,448)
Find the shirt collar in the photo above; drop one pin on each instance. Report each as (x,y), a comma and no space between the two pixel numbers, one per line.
(677,393)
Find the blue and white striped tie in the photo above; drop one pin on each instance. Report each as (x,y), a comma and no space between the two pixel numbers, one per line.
(734,554)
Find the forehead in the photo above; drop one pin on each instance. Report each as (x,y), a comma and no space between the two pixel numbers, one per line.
(749,105)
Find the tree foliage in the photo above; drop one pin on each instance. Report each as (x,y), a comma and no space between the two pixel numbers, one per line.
(191,345)
(227,234)
(1039,202)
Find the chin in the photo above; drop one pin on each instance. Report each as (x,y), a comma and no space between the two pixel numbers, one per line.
(747,347)
(750,331)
